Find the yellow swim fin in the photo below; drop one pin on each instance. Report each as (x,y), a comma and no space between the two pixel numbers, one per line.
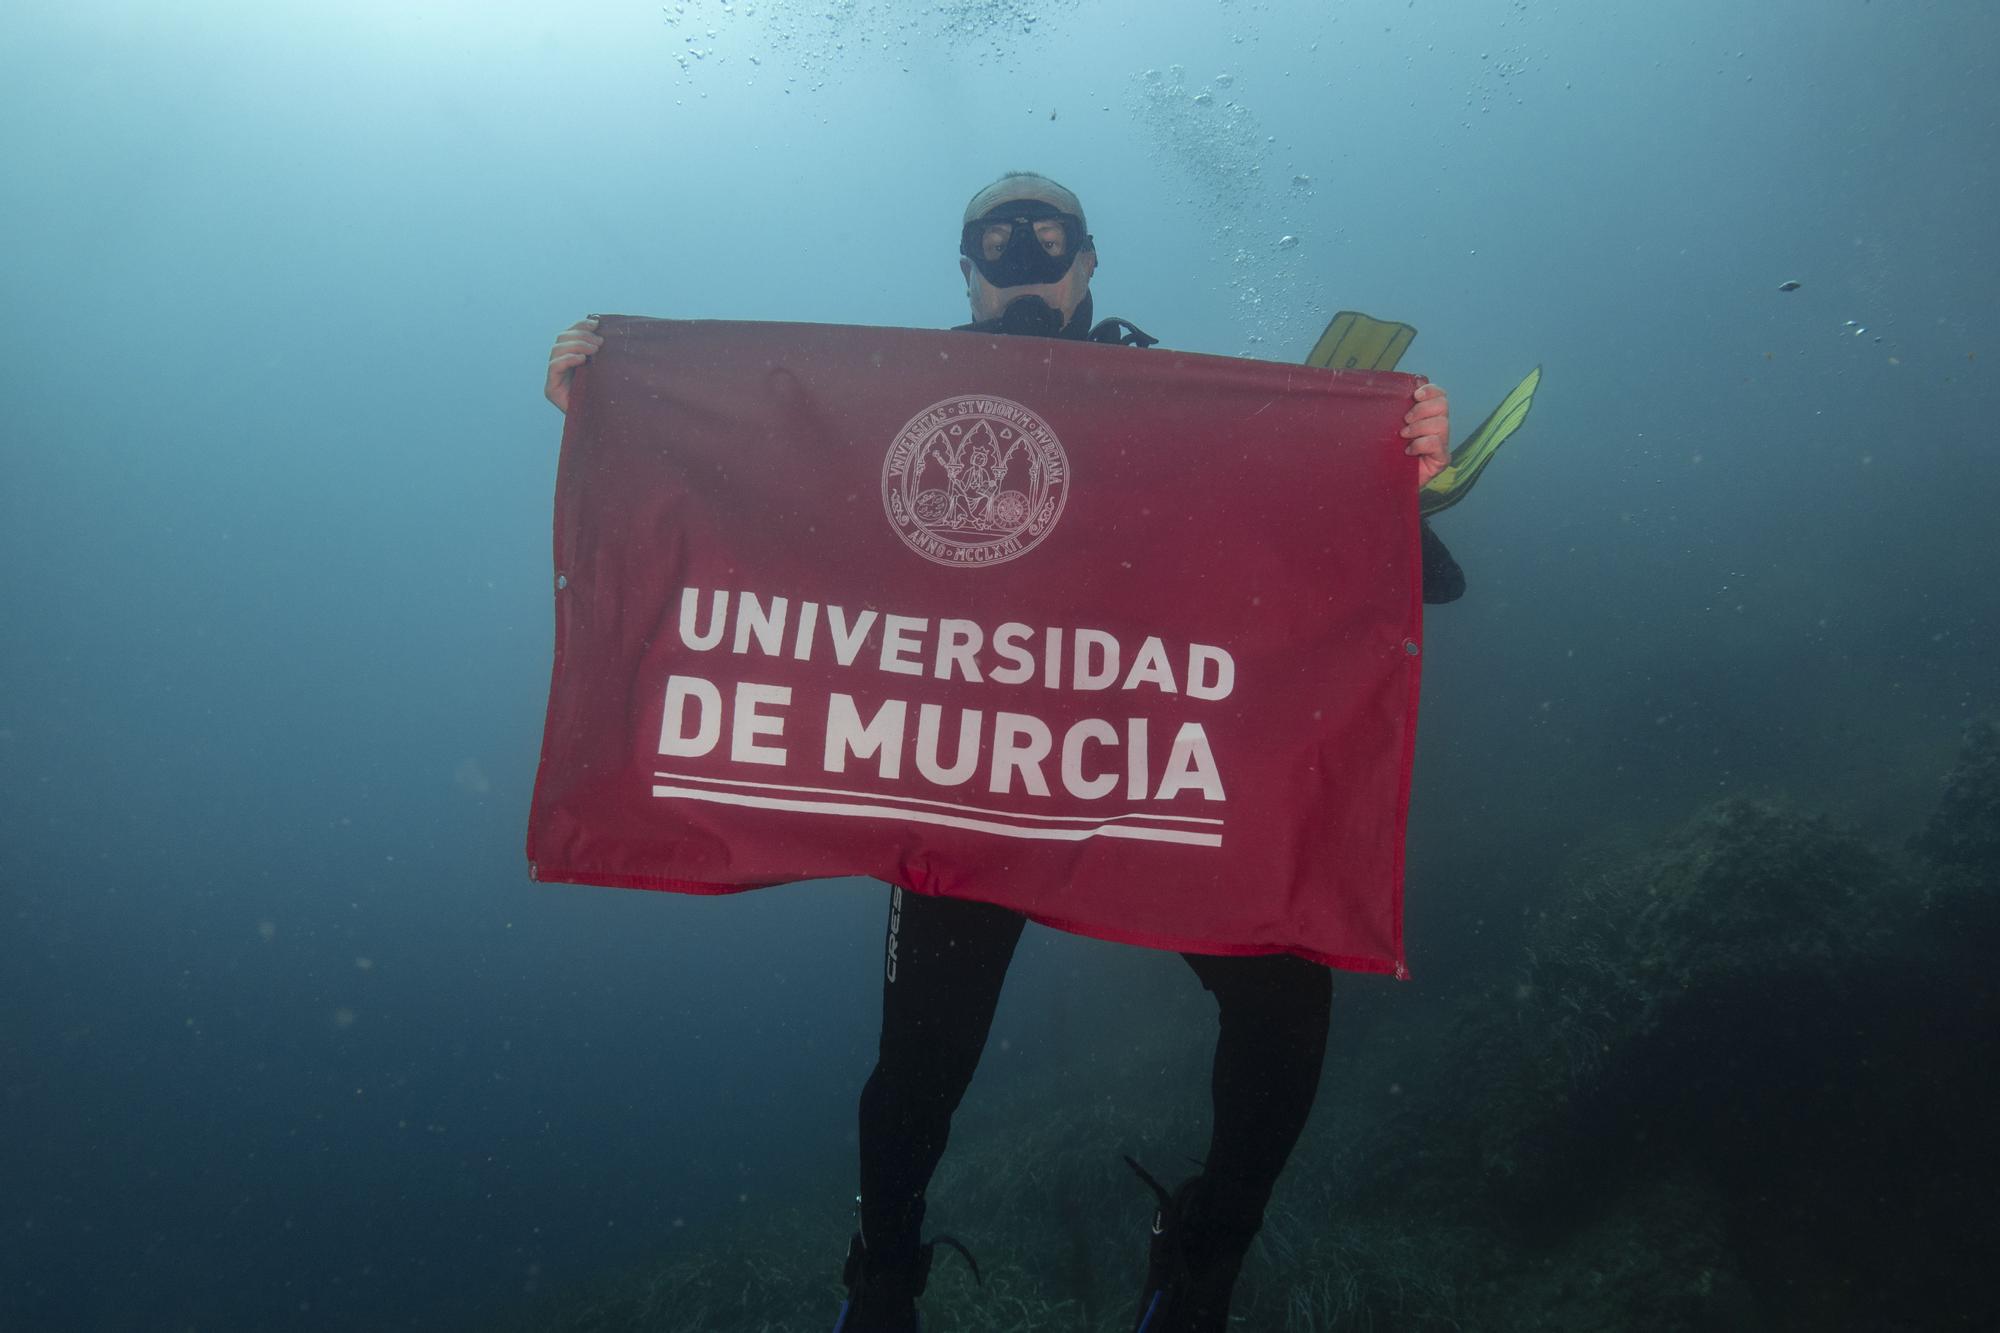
(1354,341)
(1450,486)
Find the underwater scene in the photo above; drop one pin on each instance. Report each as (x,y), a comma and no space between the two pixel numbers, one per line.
(1701,872)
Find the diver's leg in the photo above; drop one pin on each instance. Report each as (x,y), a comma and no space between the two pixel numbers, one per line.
(942,968)
(1275,1012)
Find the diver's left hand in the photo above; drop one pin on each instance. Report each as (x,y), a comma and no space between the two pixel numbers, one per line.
(1428,430)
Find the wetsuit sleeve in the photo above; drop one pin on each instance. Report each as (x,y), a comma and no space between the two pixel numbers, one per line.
(1444,581)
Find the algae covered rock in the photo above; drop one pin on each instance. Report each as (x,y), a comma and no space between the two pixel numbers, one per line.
(1964,831)
(1653,972)
(1745,891)
(1655,985)
(1961,842)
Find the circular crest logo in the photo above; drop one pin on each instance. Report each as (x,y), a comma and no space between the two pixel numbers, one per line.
(974,480)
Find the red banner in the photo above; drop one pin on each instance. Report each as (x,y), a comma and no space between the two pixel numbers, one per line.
(1124,640)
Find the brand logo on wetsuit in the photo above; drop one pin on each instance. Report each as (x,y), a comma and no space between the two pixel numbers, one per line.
(895,924)
(974,480)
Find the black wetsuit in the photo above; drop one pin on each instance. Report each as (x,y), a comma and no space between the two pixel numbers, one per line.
(948,960)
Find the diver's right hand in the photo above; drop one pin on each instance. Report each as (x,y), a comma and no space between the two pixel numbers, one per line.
(574,346)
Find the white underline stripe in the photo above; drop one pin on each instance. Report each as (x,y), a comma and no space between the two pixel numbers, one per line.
(942,805)
(852,810)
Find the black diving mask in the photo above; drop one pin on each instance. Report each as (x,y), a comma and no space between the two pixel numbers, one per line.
(1024,243)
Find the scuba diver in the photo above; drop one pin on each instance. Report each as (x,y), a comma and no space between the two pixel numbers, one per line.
(1027,258)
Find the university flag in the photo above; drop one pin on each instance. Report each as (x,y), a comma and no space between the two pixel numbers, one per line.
(1126,641)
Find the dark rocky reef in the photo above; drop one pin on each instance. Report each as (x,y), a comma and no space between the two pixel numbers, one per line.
(1960,845)
(1742,1078)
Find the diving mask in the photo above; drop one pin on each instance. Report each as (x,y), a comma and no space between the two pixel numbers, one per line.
(1024,242)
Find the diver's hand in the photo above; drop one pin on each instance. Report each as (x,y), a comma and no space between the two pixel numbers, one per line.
(1428,430)
(574,346)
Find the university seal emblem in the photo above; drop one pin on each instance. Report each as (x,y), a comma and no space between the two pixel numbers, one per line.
(974,481)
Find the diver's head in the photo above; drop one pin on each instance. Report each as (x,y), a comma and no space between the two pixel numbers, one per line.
(1026,253)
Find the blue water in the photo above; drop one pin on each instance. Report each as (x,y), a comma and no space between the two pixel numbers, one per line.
(287,1039)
